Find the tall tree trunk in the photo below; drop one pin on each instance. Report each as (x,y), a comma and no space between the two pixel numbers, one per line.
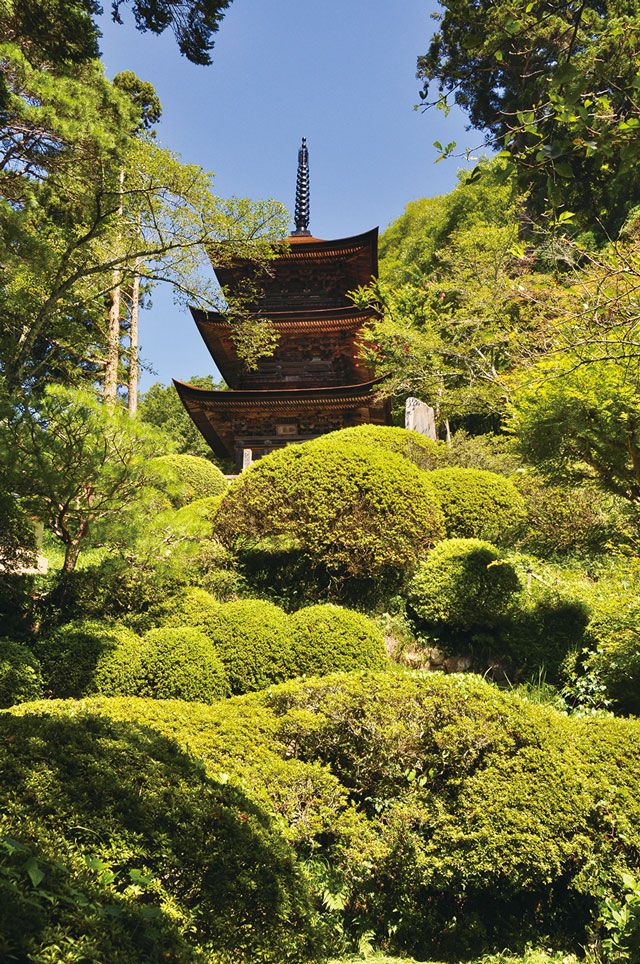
(72,551)
(110,389)
(133,342)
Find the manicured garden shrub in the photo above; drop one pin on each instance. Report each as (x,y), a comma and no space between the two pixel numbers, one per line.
(353,510)
(116,847)
(191,606)
(464,584)
(419,449)
(180,663)
(327,638)
(430,798)
(477,504)
(20,676)
(90,657)
(253,640)
(186,478)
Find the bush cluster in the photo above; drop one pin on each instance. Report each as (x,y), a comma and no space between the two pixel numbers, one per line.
(253,640)
(327,638)
(477,504)
(464,584)
(116,846)
(430,798)
(419,449)
(180,663)
(20,674)
(186,478)
(354,511)
(90,657)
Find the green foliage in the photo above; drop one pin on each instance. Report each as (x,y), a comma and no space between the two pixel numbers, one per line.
(477,504)
(180,663)
(423,241)
(327,638)
(354,511)
(419,449)
(464,584)
(187,478)
(117,847)
(431,797)
(576,417)
(79,465)
(558,86)
(90,657)
(613,636)
(191,606)
(566,519)
(20,676)
(161,406)
(621,921)
(253,640)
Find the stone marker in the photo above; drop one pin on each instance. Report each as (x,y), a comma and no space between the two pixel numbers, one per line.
(420,417)
(247,458)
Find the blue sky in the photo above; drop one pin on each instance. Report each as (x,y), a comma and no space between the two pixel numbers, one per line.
(341,73)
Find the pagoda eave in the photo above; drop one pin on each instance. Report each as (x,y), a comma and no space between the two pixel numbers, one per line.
(214,412)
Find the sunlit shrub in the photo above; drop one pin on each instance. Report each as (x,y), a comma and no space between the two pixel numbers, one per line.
(353,510)
(253,639)
(327,638)
(20,676)
(464,584)
(477,504)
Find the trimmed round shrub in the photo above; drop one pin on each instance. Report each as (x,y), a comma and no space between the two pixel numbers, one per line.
(419,449)
(116,846)
(327,638)
(186,478)
(90,657)
(464,584)
(190,606)
(179,663)
(477,504)
(20,676)
(253,639)
(354,510)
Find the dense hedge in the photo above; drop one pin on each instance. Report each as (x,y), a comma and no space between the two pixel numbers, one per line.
(327,638)
(477,504)
(353,510)
(115,847)
(90,657)
(180,663)
(427,799)
(464,584)
(419,449)
(186,478)
(191,606)
(253,640)
(20,675)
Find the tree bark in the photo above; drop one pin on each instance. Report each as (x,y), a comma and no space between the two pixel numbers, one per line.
(110,389)
(133,343)
(72,551)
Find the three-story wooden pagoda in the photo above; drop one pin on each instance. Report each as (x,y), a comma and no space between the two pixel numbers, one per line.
(314,382)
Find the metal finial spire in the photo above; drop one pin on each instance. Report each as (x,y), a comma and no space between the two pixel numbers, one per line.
(302,191)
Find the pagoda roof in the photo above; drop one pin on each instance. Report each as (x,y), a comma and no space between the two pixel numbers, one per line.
(217,333)
(351,261)
(210,408)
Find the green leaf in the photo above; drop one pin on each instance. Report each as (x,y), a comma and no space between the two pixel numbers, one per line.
(36,875)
